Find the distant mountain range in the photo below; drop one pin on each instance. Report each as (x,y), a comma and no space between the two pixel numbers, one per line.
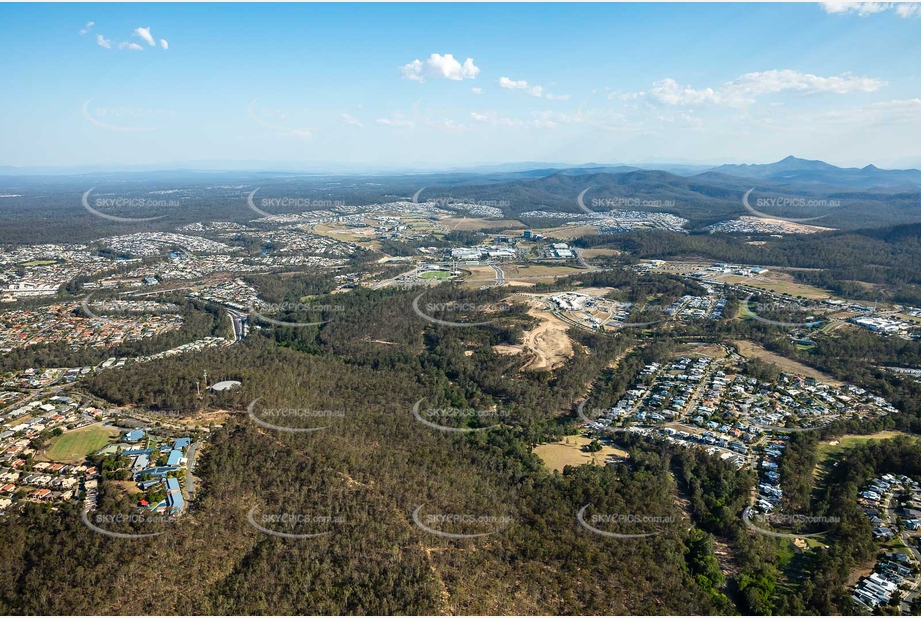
(794,171)
(791,171)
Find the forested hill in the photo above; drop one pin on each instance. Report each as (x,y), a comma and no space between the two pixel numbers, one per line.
(889,258)
(703,199)
(368,471)
(50,209)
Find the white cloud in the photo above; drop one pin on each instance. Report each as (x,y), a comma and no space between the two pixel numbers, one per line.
(904,10)
(534,91)
(350,120)
(413,71)
(164,44)
(103,42)
(900,111)
(395,120)
(89,25)
(476,90)
(451,68)
(495,120)
(442,123)
(443,66)
(861,8)
(144,33)
(908,9)
(131,46)
(511,84)
(744,90)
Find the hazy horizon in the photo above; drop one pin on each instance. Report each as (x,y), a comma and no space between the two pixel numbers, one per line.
(444,86)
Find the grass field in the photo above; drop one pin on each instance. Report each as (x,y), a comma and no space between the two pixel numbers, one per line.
(753,350)
(827,449)
(568,452)
(832,450)
(778,286)
(74,446)
(435,274)
(39,263)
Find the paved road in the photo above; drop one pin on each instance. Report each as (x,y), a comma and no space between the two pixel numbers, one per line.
(890,521)
(500,274)
(189,469)
(237,318)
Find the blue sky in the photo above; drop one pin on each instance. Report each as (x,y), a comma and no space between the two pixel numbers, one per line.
(391,84)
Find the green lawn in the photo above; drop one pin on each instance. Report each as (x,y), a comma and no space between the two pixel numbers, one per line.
(435,274)
(830,453)
(74,446)
(850,441)
(39,263)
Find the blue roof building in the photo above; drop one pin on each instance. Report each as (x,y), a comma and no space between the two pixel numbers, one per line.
(137,451)
(174,499)
(136,435)
(173,458)
(160,471)
(141,462)
(182,443)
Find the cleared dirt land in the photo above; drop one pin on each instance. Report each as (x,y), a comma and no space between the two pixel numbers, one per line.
(74,446)
(753,350)
(524,273)
(547,343)
(591,253)
(568,452)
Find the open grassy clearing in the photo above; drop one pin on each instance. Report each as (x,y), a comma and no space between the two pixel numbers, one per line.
(569,452)
(777,285)
(519,271)
(831,451)
(833,448)
(74,446)
(753,350)
(435,274)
